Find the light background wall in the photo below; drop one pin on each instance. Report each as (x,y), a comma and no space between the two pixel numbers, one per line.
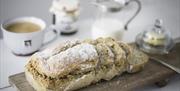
(168,10)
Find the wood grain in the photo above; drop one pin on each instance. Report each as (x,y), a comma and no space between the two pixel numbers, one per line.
(153,72)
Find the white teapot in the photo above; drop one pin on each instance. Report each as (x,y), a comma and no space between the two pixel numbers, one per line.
(107,24)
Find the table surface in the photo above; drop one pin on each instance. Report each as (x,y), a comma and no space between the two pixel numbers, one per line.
(168,10)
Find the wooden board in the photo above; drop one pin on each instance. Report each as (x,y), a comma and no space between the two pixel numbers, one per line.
(153,72)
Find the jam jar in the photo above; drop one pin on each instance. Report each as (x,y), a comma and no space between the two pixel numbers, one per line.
(65,15)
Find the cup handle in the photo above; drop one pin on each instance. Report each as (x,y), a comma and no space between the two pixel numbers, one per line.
(136,13)
(51,28)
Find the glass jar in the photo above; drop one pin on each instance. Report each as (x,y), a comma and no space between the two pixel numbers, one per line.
(65,15)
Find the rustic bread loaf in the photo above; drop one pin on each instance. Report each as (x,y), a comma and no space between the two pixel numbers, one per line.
(77,64)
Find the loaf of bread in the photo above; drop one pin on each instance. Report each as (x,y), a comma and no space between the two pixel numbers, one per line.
(76,64)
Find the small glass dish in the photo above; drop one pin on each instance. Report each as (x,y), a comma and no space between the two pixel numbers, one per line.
(155,40)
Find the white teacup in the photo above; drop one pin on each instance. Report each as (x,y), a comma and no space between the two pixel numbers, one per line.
(25,43)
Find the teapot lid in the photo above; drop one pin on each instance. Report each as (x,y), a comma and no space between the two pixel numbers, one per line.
(109,5)
(155,39)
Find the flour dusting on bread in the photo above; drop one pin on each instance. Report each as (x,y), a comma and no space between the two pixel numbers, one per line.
(76,64)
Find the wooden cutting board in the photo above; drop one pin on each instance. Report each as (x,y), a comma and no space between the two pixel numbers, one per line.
(152,73)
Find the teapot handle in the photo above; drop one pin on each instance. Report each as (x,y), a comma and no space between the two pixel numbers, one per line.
(136,13)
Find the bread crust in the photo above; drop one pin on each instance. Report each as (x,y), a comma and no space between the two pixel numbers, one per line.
(136,61)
